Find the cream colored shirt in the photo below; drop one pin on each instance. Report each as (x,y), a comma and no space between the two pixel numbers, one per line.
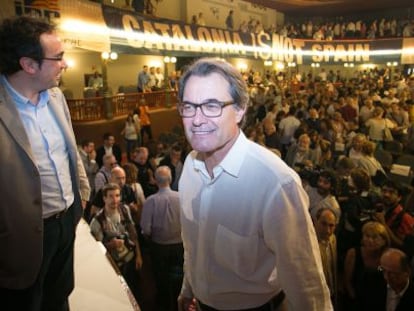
(247,233)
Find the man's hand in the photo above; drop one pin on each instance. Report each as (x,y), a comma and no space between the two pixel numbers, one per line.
(115,243)
(380,217)
(186,304)
(138,262)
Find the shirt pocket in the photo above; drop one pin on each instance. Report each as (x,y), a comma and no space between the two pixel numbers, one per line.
(236,252)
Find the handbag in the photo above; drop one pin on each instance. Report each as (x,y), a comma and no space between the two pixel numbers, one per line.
(387,135)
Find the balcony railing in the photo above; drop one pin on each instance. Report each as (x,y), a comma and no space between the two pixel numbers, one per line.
(95,108)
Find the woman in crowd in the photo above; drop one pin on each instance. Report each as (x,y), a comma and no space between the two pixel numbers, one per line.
(370,164)
(376,126)
(364,283)
(355,150)
(131,173)
(130,134)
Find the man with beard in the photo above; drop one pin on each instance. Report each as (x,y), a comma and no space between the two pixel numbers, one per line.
(399,224)
(114,227)
(300,154)
(322,196)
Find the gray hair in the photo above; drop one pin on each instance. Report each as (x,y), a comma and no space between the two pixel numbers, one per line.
(206,66)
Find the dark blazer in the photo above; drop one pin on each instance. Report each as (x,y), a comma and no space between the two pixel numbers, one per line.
(407,300)
(21,223)
(116,151)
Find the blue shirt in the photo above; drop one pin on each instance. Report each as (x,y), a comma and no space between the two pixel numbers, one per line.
(49,150)
(143,79)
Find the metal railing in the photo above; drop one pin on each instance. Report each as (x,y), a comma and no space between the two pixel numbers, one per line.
(103,108)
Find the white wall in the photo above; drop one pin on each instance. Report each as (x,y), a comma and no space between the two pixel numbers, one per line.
(122,71)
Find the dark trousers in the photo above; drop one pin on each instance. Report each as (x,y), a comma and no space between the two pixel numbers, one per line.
(55,280)
(272,305)
(146,129)
(167,263)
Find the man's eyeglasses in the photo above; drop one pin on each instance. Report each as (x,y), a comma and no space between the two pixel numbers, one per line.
(211,109)
(55,58)
(114,163)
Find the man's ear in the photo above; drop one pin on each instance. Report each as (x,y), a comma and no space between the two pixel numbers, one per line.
(29,64)
(240,114)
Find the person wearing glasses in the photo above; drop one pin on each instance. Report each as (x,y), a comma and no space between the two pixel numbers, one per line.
(43,184)
(363,282)
(246,229)
(396,270)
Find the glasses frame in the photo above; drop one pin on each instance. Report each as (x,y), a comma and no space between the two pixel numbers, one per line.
(222,105)
(54,58)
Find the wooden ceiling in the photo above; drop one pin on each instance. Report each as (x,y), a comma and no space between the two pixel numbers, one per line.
(332,7)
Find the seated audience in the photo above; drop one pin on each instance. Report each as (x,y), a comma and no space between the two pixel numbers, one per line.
(299,155)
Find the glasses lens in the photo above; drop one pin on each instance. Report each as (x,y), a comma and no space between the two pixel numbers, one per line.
(187,110)
(211,109)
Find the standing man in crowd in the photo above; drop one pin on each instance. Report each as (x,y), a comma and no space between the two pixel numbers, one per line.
(43,184)
(88,155)
(396,269)
(244,241)
(160,222)
(143,79)
(109,147)
(230,21)
(325,225)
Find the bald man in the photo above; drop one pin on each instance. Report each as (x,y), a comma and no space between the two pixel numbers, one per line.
(395,266)
(160,222)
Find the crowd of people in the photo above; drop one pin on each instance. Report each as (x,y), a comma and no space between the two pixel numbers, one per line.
(346,28)
(323,29)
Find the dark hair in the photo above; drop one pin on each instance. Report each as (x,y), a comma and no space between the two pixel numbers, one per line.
(110,187)
(394,185)
(20,37)
(107,135)
(131,173)
(86,142)
(206,66)
(331,177)
(177,147)
(361,179)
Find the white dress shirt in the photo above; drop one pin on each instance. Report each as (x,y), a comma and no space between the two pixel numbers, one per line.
(393,299)
(247,233)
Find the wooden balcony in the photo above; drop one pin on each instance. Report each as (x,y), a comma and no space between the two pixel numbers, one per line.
(104,108)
